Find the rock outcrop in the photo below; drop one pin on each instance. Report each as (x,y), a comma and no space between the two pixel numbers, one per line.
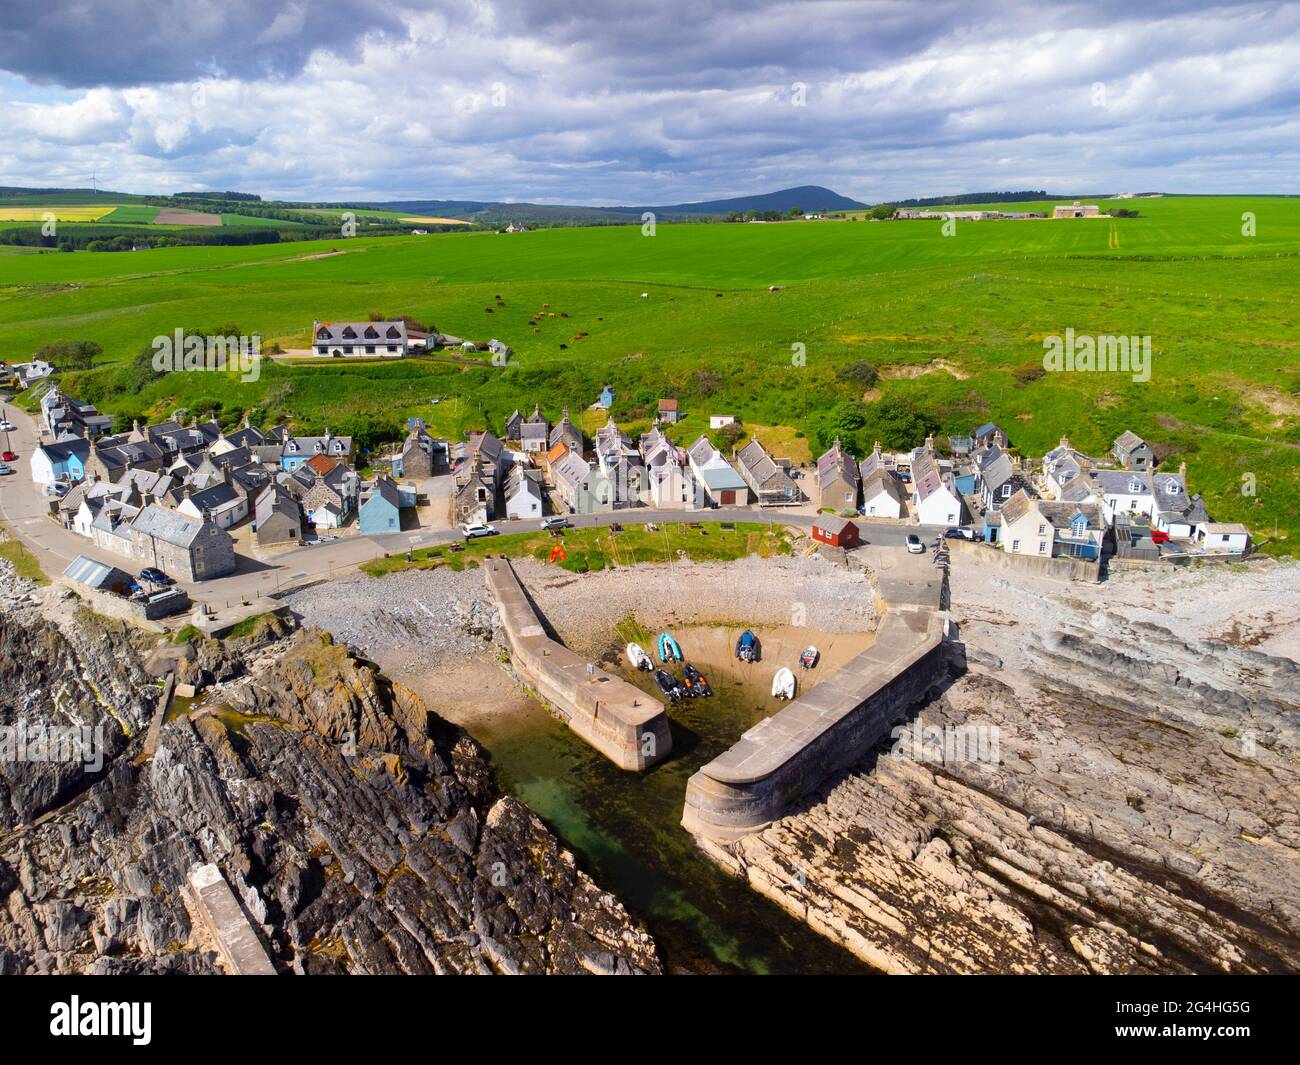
(1132,805)
(360,832)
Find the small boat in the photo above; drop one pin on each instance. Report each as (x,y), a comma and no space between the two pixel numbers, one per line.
(668,684)
(668,649)
(808,657)
(639,659)
(747,647)
(783,684)
(695,682)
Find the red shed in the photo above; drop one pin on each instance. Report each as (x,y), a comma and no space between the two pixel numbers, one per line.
(836,531)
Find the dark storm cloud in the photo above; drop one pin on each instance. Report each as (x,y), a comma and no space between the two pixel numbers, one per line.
(127,42)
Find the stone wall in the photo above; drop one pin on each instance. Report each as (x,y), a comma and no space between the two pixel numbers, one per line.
(621,721)
(1068,569)
(834,725)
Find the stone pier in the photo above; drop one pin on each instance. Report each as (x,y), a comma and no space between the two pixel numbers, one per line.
(626,725)
(783,757)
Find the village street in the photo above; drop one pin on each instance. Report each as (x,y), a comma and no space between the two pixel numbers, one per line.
(24,510)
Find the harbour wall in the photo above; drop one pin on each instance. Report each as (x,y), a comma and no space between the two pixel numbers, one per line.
(835,724)
(626,725)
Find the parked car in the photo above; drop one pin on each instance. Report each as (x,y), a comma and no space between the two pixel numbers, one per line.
(962,534)
(155,576)
(7,426)
(914,545)
(477,529)
(556,521)
(8,456)
(5,469)
(57,489)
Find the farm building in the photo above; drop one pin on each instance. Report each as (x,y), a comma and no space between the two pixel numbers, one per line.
(836,531)
(1077,210)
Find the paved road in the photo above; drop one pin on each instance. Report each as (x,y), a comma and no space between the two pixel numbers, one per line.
(23,508)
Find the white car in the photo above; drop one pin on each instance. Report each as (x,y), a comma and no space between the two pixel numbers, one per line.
(914,545)
(5,469)
(477,529)
(7,426)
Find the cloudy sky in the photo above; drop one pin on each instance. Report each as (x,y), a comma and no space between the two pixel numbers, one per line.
(592,101)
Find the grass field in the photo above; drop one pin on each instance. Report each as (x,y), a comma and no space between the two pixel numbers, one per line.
(954,325)
(131,214)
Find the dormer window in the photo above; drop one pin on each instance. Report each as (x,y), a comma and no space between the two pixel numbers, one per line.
(1173,487)
(324,334)
(393,333)
(349,333)
(371,332)
(1135,486)
(1006,491)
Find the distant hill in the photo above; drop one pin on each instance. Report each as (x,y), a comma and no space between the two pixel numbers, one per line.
(807,197)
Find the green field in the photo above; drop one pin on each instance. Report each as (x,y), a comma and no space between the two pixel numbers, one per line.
(133,214)
(591,549)
(953,324)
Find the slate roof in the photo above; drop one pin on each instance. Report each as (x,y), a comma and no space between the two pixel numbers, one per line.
(169,526)
(358,332)
(1016,507)
(1128,440)
(62,450)
(883,481)
(386,489)
(925,475)
(214,498)
(832,523)
(836,462)
(757,461)
(277,500)
(571,469)
(318,445)
(1063,515)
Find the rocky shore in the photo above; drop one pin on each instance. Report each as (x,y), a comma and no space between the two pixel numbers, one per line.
(361,832)
(1140,810)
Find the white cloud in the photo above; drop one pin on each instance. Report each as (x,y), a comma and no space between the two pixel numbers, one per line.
(585,103)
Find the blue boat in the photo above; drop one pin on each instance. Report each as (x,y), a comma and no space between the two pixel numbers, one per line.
(668,649)
(747,647)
